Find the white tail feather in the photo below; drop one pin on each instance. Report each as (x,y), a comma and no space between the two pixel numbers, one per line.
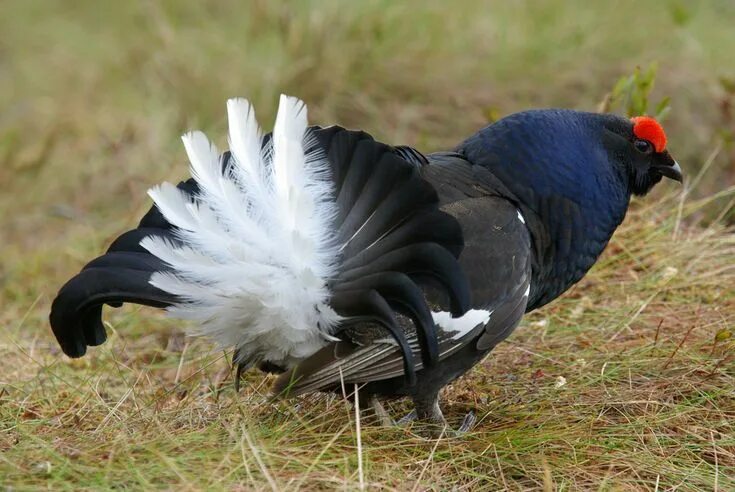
(245,139)
(173,205)
(257,241)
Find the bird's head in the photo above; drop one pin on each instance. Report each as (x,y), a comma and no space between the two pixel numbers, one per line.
(583,157)
(639,145)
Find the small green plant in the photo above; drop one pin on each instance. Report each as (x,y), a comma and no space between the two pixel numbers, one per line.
(631,95)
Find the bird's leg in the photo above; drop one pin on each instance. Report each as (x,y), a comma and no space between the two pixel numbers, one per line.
(428,410)
(380,412)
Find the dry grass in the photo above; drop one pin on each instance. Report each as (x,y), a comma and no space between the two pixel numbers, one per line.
(92,100)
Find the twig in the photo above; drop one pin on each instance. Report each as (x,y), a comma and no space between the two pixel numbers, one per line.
(642,307)
(717,366)
(359,439)
(658,331)
(717,464)
(344,394)
(500,467)
(181,364)
(671,357)
(691,185)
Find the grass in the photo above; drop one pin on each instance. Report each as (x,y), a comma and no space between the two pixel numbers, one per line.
(92,100)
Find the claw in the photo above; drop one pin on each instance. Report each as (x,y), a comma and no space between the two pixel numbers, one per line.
(240,367)
(468,422)
(408,418)
(238,373)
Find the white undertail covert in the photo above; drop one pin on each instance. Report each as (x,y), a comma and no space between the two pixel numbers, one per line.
(256,243)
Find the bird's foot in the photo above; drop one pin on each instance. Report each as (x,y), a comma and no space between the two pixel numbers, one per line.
(429,417)
(439,429)
(407,419)
(468,422)
(430,414)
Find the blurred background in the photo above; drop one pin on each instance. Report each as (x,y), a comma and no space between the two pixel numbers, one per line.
(95,94)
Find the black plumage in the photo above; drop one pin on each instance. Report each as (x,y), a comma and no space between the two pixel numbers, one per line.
(441,254)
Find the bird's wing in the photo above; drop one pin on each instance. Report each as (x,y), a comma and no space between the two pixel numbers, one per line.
(498,254)
(496,260)
(281,245)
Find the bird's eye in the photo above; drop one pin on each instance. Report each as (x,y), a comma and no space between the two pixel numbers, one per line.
(643,146)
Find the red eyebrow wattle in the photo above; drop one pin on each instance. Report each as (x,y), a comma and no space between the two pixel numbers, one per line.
(646,128)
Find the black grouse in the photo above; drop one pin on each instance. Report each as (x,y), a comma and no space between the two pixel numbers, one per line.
(331,258)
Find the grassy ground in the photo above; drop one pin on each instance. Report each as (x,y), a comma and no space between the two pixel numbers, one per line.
(93,97)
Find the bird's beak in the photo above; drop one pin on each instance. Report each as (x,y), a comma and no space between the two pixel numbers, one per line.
(672,172)
(668,167)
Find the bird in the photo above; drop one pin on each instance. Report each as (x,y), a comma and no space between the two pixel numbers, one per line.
(329,258)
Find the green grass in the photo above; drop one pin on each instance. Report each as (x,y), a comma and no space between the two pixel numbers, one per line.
(93,97)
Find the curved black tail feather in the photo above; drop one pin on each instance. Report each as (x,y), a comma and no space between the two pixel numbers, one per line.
(393,238)
(77,310)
